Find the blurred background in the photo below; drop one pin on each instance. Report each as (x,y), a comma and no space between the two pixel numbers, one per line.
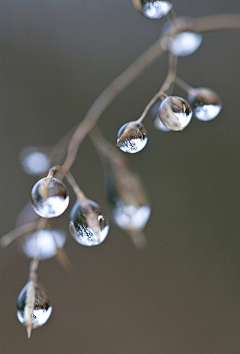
(180,295)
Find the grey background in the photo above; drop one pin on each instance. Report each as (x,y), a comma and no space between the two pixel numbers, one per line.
(182,294)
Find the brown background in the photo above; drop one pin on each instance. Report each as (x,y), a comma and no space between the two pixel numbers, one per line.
(182,294)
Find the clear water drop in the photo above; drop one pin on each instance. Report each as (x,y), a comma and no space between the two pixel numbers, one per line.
(44,243)
(49,197)
(42,308)
(153,9)
(157,121)
(132,137)
(175,113)
(34,161)
(80,229)
(186,43)
(205,103)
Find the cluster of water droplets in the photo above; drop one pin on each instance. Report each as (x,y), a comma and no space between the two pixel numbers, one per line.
(80,228)
(175,113)
(132,137)
(49,197)
(153,9)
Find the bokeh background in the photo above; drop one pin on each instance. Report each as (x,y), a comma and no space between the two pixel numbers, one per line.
(181,295)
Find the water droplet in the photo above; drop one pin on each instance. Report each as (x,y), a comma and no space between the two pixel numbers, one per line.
(153,9)
(132,137)
(49,197)
(128,217)
(41,307)
(157,121)
(182,44)
(34,162)
(44,243)
(80,229)
(175,113)
(205,103)
(186,43)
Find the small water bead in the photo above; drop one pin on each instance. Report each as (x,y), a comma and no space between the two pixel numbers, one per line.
(49,197)
(132,137)
(34,162)
(153,9)
(42,308)
(44,243)
(205,103)
(81,231)
(175,113)
(157,121)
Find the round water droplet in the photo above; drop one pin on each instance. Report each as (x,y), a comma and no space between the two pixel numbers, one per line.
(132,137)
(34,162)
(153,9)
(175,113)
(157,121)
(42,308)
(44,243)
(49,197)
(80,229)
(205,103)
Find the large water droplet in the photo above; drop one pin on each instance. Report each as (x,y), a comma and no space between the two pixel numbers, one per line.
(34,162)
(153,9)
(44,243)
(49,197)
(80,229)
(41,309)
(157,121)
(205,103)
(175,113)
(132,137)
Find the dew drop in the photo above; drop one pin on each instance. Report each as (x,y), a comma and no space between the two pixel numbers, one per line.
(44,243)
(153,9)
(132,137)
(80,229)
(157,121)
(175,113)
(49,197)
(205,103)
(186,43)
(41,307)
(34,162)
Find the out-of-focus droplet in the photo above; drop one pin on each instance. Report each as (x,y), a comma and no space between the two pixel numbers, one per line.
(49,197)
(41,304)
(129,208)
(34,161)
(153,9)
(157,121)
(175,113)
(205,103)
(132,137)
(80,229)
(185,43)
(44,243)
(181,44)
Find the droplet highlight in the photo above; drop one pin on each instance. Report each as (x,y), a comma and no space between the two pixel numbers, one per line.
(153,9)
